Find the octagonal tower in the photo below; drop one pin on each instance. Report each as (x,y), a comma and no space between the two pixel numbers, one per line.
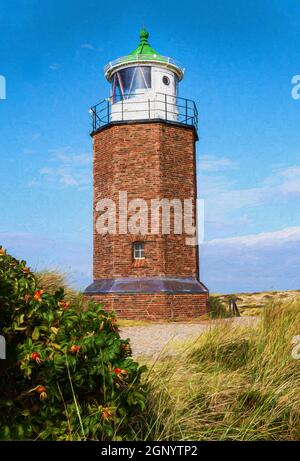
(144,168)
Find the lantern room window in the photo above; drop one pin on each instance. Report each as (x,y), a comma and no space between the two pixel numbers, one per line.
(138,250)
(127,82)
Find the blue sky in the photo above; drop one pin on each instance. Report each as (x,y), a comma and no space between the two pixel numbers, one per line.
(240,57)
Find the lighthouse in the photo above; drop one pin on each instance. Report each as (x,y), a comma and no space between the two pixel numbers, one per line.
(145,252)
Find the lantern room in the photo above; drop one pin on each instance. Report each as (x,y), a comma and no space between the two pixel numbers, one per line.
(144,84)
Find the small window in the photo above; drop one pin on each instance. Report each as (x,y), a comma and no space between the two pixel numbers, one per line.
(138,250)
(166,80)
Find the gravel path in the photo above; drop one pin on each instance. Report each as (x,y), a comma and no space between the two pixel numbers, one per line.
(154,339)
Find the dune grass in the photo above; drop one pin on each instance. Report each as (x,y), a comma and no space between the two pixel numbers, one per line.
(232,383)
(252,303)
(51,281)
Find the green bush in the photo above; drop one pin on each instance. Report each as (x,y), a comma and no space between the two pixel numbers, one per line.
(68,374)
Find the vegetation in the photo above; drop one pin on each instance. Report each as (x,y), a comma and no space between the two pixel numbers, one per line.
(217,308)
(68,374)
(51,281)
(250,304)
(233,383)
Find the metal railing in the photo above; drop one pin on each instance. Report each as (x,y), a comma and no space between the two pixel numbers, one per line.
(143,58)
(142,107)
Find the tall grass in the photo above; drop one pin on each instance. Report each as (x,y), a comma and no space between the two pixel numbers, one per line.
(51,281)
(233,383)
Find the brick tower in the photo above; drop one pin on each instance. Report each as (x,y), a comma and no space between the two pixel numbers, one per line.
(146,262)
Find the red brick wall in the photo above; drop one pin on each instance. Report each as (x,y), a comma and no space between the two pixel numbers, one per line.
(149,161)
(153,306)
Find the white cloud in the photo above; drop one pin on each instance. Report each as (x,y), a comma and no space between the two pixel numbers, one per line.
(42,252)
(289,234)
(28,151)
(33,183)
(46,170)
(66,168)
(54,66)
(223,197)
(213,163)
(87,46)
(290,180)
(256,262)
(66,157)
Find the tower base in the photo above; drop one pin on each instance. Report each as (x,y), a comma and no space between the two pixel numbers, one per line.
(153,306)
(150,298)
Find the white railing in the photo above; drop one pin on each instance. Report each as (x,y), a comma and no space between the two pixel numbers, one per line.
(143,58)
(159,106)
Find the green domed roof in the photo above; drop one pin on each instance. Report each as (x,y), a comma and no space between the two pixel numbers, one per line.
(144,49)
(143,53)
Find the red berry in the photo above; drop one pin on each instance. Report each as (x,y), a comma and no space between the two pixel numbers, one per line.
(74,349)
(64,304)
(38,295)
(41,389)
(35,355)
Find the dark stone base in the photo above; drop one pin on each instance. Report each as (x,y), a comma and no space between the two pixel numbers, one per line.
(171,285)
(155,298)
